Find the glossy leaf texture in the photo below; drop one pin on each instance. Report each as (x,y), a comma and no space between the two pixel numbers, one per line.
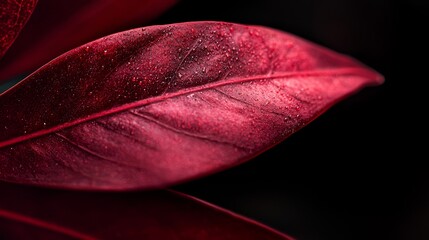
(32,213)
(155,106)
(13,16)
(58,26)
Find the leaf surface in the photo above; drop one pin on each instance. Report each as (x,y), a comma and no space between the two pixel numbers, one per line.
(13,16)
(52,214)
(155,106)
(58,26)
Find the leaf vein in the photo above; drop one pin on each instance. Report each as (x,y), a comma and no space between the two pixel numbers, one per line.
(184,132)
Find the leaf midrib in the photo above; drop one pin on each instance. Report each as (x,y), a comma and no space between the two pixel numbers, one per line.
(13,216)
(357,71)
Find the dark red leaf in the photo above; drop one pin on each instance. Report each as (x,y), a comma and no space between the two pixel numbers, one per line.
(155,106)
(13,16)
(31,213)
(58,26)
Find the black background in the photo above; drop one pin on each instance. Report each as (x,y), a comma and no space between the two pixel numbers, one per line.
(355,172)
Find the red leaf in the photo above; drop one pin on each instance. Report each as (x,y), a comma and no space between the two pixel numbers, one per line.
(49,214)
(58,26)
(155,106)
(13,16)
